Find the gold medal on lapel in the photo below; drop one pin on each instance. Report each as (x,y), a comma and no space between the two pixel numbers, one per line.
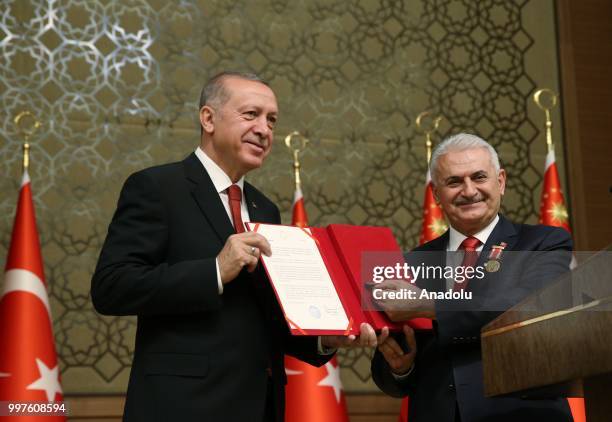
(493,265)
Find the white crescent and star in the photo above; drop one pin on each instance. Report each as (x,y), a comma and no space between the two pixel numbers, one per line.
(19,280)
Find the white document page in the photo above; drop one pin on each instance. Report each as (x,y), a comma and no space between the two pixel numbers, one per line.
(301,280)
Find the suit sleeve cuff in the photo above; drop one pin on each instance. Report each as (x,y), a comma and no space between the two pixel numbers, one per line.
(322,350)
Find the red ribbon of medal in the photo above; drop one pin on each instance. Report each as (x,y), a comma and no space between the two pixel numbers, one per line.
(492,265)
(496,251)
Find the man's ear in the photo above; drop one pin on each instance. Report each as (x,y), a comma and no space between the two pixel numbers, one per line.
(434,190)
(206,119)
(501,178)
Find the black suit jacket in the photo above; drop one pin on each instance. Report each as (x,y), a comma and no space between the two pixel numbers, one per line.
(199,356)
(447,376)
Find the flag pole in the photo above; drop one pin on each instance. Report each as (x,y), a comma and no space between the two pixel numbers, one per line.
(552,205)
(428,131)
(296,154)
(26,131)
(546,106)
(308,393)
(28,312)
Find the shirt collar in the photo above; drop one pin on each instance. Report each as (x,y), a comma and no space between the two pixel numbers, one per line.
(455,237)
(219,178)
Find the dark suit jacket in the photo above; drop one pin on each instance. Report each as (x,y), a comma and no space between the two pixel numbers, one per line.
(448,368)
(199,356)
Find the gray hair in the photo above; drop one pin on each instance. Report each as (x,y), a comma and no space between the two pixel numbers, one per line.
(461,142)
(214,92)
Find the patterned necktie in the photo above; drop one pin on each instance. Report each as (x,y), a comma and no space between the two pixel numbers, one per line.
(470,257)
(235,198)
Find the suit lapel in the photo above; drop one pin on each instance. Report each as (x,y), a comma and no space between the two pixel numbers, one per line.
(505,232)
(207,198)
(257,213)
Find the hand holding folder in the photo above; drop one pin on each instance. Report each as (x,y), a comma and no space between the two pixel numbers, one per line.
(318,276)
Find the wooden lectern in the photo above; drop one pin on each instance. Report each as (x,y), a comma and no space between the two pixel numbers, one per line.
(558,342)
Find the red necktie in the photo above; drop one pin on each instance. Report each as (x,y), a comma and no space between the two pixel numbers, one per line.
(235,198)
(470,257)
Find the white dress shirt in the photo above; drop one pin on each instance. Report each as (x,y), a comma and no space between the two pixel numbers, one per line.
(455,238)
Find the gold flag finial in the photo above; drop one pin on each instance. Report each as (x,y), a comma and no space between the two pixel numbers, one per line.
(546,104)
(296,152)
(27,125)
(428,130)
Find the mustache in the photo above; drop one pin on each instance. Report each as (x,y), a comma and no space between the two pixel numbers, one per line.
(469,201)
(258,140)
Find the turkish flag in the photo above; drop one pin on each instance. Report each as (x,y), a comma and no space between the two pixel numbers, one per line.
(29,370)
(554,213)
(433,226)
(312,394)
(552,204)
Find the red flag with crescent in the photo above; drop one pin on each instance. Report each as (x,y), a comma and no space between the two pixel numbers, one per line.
(553,212)
(29,368)
(312,394)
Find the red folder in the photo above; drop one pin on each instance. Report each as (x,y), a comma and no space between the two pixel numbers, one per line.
(343,248)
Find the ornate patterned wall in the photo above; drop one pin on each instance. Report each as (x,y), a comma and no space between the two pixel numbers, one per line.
(116,82)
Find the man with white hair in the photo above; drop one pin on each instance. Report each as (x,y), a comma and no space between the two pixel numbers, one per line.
(441,370)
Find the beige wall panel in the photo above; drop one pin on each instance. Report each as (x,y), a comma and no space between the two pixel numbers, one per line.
(116,85)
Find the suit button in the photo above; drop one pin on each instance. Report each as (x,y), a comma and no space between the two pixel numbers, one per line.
(451,386)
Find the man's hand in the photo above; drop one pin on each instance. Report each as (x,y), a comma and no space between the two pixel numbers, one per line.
(366,338)
(405,309)
(399,361)
(241,250)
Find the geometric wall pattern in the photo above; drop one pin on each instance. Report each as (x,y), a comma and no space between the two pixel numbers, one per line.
(116,86)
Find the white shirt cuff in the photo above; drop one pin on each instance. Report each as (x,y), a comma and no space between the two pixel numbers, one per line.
(219,282)
(402,377)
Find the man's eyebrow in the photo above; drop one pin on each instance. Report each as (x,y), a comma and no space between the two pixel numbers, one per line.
(255,107)
(452,179)
(456,178)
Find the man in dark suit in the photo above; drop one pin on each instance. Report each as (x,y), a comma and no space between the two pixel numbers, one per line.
(211,338)
(441,370)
